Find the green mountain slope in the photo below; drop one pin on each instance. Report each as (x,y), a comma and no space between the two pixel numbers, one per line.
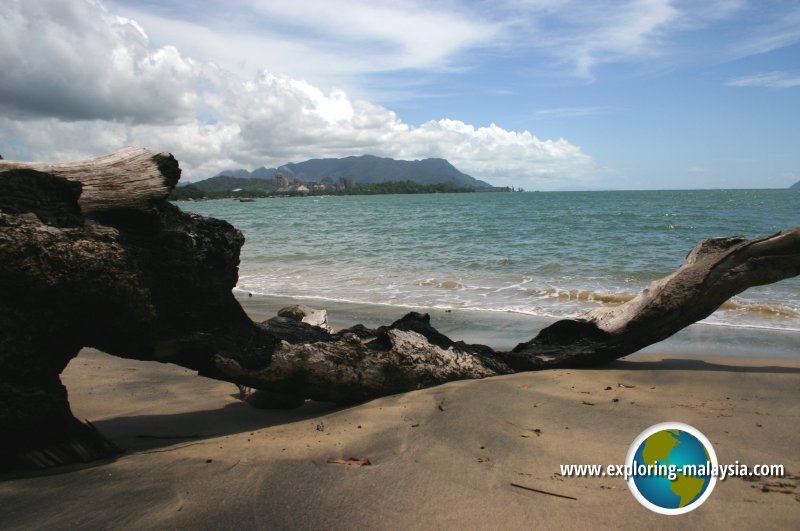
(368,169)
(365,169)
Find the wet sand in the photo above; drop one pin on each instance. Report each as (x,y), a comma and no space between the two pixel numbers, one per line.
(504,330)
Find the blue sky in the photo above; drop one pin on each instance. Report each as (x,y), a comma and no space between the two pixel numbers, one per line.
(543,94)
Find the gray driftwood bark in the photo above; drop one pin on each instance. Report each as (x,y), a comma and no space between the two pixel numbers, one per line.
(713,272)
(93,254)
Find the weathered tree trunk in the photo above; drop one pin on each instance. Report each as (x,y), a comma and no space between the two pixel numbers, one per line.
(132,178)
(713,272)
(93,254)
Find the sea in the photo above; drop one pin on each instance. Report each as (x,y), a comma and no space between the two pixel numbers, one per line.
(494,268)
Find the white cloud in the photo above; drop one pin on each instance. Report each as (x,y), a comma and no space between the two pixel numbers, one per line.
(319,41)
(334,43)
(767,79)
(577,37)
(339,43)
(271,121)
(620,34)
(93,82)
(772,32)
(412,34)
(74,61)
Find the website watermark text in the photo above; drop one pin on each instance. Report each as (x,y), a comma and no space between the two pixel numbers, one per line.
(671,472)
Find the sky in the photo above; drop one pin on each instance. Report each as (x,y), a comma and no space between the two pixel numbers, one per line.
(538,94)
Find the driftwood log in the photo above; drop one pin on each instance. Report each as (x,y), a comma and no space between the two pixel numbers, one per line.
(93,254)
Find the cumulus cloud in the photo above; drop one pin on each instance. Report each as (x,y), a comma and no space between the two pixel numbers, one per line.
(91,82)
(75,61)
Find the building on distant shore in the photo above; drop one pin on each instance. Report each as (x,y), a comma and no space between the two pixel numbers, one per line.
(281,181)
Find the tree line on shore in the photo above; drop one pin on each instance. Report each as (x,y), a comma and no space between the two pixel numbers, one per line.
(191,192)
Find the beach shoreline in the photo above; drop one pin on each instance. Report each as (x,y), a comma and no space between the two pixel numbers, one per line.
(520,254)
(504,330)
(443,457)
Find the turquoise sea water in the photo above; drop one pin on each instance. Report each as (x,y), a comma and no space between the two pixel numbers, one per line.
(545,254)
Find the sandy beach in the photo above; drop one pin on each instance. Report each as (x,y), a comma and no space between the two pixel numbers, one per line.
(443,458)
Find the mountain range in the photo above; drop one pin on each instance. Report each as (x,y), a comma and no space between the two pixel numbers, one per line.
(364,169)
(796,186)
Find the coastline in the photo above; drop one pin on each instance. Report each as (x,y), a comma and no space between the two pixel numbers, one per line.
(432,467)
(504,330)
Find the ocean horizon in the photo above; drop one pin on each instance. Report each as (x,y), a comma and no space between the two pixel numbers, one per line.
(506,261)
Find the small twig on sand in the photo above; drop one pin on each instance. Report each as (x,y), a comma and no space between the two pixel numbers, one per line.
(543,492)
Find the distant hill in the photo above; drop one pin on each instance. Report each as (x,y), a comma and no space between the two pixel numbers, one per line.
(795,186)
(368,169)
(365,169)
(258,173)
(222,183)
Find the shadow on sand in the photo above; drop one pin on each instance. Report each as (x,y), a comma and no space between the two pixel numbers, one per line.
(142,433)
(683,364)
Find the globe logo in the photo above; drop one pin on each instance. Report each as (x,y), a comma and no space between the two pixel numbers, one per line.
(672,468)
